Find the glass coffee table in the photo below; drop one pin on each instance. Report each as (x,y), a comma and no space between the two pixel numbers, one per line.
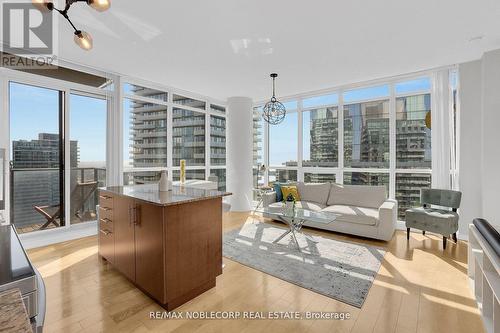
(296,220)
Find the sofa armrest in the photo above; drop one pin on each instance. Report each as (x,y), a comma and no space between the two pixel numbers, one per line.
(268,198)
(388,216)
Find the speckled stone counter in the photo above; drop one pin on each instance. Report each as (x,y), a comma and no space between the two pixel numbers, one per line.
(150,193)
(13,316)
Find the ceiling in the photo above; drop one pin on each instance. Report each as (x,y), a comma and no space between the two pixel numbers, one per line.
(224,48)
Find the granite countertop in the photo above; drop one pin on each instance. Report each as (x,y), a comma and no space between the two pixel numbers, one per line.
(151,194)
(13,316)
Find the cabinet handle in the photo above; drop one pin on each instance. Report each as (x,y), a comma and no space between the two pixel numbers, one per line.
(130,215)
(106,232)
(137,215)
(105,220)
(105,197)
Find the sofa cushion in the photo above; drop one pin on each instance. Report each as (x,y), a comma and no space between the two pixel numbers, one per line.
(441,221)
(314,192)
(290,190)
(277,189)
(316,207)
(354,214)
(357,195)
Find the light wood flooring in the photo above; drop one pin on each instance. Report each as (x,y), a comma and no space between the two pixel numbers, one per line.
(419,288)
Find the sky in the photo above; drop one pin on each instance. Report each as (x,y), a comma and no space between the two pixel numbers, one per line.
(35,110)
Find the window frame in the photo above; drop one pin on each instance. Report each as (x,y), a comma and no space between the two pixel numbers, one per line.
(338,171)
(66,88)
(170,104)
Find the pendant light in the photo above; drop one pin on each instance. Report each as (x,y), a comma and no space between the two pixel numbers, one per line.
(274,111)
(82,39)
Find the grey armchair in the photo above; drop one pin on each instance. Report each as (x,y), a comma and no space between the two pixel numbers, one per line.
(442,220)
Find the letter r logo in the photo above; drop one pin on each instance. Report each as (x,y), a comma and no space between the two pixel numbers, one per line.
(26,30)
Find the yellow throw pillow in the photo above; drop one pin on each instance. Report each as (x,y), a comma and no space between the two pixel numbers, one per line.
(286,190)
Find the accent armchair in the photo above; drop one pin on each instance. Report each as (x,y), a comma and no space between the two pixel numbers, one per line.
(442,219)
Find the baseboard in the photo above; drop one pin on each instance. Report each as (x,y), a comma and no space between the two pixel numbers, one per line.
(400,225)
(57,235)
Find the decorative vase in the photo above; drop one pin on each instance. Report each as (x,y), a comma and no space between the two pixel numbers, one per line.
(183,171)
(164,185)
(289,208)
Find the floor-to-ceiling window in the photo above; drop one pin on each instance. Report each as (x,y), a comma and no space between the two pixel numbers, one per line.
(88,127)
(161,129)
(367,135)
(37,157)
(413,142)
(283,147)
(144,133)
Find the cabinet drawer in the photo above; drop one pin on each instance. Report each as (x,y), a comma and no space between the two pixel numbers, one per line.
(105,200)
(107,244)
(106,224)
(105,213)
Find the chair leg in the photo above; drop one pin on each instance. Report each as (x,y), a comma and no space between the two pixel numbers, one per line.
(423,232)
(407,233)
(444,242)
(454,237)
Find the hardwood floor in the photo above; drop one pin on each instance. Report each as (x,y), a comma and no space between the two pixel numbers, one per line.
(419,288)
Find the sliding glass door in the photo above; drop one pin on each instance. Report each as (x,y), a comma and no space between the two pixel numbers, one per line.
(36,157)
(88,119)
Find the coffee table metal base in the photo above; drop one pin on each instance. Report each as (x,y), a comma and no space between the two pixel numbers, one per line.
(293,225)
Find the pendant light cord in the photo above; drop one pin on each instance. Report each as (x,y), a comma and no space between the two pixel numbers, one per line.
(274,94)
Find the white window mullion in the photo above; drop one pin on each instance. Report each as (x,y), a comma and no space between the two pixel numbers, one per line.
(392,142)
(300,150)
(4,141)
(67,156)
(339,178)
(170,137)
(208,152)
(115,136)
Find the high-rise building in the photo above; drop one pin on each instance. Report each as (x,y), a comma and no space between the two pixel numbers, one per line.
(413,149)
(323,134)
(36,174)
(148,134)
(413,138)
(41,153)
(258,176)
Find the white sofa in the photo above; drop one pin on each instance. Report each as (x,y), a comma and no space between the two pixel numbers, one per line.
(361,210)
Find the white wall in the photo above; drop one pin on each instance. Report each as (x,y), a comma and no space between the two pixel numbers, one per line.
(491,136)
(480,139)
(470,142)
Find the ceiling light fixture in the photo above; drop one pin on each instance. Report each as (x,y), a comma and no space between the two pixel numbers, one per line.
(274,111)
(82,38)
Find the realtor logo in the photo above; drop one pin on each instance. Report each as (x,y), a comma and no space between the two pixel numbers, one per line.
(27,32)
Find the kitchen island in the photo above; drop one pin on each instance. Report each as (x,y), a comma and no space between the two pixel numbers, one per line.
(169,244)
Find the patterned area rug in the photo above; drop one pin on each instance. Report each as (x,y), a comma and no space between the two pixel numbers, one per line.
(337,269)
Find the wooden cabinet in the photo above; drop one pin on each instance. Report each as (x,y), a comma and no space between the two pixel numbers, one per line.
(105,229)
(124,236)
(135,236)
(149,249)
(173,253)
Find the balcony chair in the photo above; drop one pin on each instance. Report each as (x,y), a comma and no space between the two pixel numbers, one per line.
(80,194)
(441,218)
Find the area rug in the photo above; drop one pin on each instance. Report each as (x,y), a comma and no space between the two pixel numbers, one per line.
(341,270)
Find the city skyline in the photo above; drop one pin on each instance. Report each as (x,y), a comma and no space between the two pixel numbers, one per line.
(35,110)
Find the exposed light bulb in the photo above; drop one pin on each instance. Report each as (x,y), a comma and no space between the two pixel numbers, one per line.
(41,5)
(83,39)
(99,5)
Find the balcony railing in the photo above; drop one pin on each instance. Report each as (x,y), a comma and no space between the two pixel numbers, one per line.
(41,187)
